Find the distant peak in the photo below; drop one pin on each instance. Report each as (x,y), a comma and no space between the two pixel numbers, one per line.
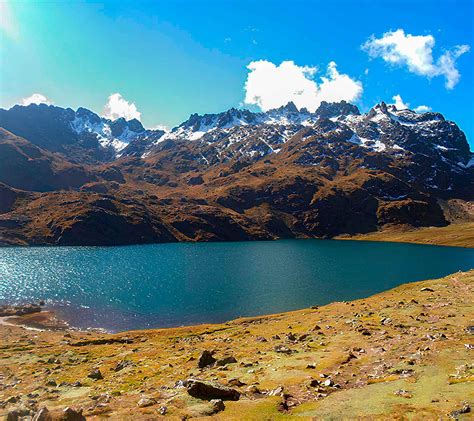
(290,107)
(336,109)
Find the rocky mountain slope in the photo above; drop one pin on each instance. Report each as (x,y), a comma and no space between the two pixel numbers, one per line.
(237,175)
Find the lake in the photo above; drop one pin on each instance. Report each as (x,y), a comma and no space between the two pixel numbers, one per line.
(160,285)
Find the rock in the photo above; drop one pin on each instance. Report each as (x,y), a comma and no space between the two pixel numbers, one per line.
(235,382)
(144,402)
(314,383)
(464,410)
(95,374)
(17,414)
(470,329)
(163,410)
(206,359)
(328,383)
(122,364)
(253,390)
(385,321)
(217,405)
(51,382)
(209,390)
(225,361)
(291,337)
(42,415)
(404,393)
(260,339)
(276,392)
(311,366)
(282,349)
(70,414)
(426,289)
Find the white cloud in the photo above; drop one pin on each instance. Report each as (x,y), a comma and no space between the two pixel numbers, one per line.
(271,86)
(35,99)
(8,22)
(401,105)
(399,102)
(117,107)
(422,109)
(161,127)
(416,52)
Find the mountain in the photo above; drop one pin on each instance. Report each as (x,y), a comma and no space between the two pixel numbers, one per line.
(80,135)
(236,175)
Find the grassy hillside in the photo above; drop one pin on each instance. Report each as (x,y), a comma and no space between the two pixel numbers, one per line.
(404,353)
(459,235)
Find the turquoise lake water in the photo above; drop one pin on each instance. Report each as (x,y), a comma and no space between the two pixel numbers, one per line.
(159,285)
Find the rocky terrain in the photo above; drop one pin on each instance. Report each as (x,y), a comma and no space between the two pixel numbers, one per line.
(403,354)
(73,178)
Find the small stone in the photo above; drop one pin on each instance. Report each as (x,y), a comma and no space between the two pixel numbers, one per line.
(464,410)
(253,390)
(144,402)
(122,364)
(235,382)
(328,383)
(404,393)
(276,392)
(163,410)
(95,374)
(225,361)
(426,289)
(217,405)
(282,349)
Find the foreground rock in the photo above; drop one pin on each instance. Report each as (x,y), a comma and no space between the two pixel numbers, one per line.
(209,390)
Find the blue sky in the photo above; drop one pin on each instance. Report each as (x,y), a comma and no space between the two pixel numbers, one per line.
(173,58)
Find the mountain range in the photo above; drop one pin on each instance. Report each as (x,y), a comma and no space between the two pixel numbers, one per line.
(74,178)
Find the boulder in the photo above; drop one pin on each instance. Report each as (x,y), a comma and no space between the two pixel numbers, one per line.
(70,414)
(209,390)
(225,361)
(206,359)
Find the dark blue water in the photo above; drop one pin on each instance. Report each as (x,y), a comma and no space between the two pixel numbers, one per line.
(133,287)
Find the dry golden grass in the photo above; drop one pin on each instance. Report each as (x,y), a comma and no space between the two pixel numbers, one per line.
(458,235)
(408,338)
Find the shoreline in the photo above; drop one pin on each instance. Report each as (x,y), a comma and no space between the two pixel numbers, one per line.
(460,234)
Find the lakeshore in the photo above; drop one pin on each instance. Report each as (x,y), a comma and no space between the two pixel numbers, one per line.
(406,350)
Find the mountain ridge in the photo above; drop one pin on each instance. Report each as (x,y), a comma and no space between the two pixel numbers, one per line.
(235,175)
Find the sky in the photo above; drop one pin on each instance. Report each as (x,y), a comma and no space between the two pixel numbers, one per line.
(160,61)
